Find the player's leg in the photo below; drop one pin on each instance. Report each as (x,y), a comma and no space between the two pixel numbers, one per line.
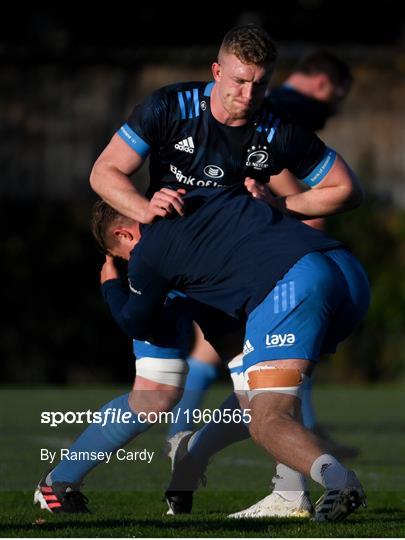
(195,448)
(352,309)
(158,387)
(286,331)
(276,427)
(218,336)
(161,372)
(203,365)
(275,409)
(228,428)
(289,496)
(223,335)
(190,453)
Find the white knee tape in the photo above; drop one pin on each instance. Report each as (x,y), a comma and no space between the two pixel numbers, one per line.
(293,390)
(171,371)
(236,373)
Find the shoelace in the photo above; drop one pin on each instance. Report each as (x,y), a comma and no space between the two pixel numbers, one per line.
(76,501)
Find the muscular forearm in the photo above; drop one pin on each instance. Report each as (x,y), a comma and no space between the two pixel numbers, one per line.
(318,202)
(118,191)
(337,192)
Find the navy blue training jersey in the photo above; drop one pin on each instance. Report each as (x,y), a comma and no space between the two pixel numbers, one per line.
(227,252)
(189,148)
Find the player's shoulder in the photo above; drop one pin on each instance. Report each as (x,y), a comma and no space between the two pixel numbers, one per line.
(184,97)
(184,100)
(171,91)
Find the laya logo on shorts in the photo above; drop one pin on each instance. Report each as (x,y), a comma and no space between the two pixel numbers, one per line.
(280,340)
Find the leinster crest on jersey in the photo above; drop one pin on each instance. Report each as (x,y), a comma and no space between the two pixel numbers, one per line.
(257,157)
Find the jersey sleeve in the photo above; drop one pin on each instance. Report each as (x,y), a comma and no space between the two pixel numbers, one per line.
(303,153)
(146,127)
(135,310)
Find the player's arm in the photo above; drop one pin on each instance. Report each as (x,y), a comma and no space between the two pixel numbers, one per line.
(333,187)
(135,310)
(110,179)
(289,185)
(127,151)
(328,192)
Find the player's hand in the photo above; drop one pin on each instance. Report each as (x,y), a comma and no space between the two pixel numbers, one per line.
(109,270)
(260,191)
(164,203)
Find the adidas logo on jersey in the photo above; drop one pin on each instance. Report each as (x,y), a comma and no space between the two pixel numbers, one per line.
(186,145)
(247,348)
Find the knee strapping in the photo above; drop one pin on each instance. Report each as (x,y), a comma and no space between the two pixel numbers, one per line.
(236,371)
(271,379)
(170,371)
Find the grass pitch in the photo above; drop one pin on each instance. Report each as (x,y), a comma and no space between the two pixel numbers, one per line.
(126,498)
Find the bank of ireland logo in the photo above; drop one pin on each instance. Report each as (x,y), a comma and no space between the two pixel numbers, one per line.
(213,171)
(257,157)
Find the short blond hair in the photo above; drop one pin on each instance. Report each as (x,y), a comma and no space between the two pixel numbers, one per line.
(250,44)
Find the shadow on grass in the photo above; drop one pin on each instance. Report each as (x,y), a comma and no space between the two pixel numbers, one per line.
(203,527)
(199,525)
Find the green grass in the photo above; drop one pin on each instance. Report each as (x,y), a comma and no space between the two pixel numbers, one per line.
(126,498)
(137,514)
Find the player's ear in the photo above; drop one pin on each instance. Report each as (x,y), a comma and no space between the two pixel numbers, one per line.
(323,86)
(122,234)
(216,71)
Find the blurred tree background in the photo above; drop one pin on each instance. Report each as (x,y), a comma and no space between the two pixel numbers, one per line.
(68,82)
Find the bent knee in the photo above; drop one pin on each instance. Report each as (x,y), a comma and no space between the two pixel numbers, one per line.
(159,384)
(161,398)
(263,426)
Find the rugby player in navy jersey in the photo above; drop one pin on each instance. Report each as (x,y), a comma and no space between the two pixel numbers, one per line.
(208,135)
(214,134)
(217,134)
(312,93)
(298,291)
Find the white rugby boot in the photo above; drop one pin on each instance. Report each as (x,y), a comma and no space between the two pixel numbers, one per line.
(275,505)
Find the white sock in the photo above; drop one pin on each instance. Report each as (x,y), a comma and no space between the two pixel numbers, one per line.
(327,471)
(288,483)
